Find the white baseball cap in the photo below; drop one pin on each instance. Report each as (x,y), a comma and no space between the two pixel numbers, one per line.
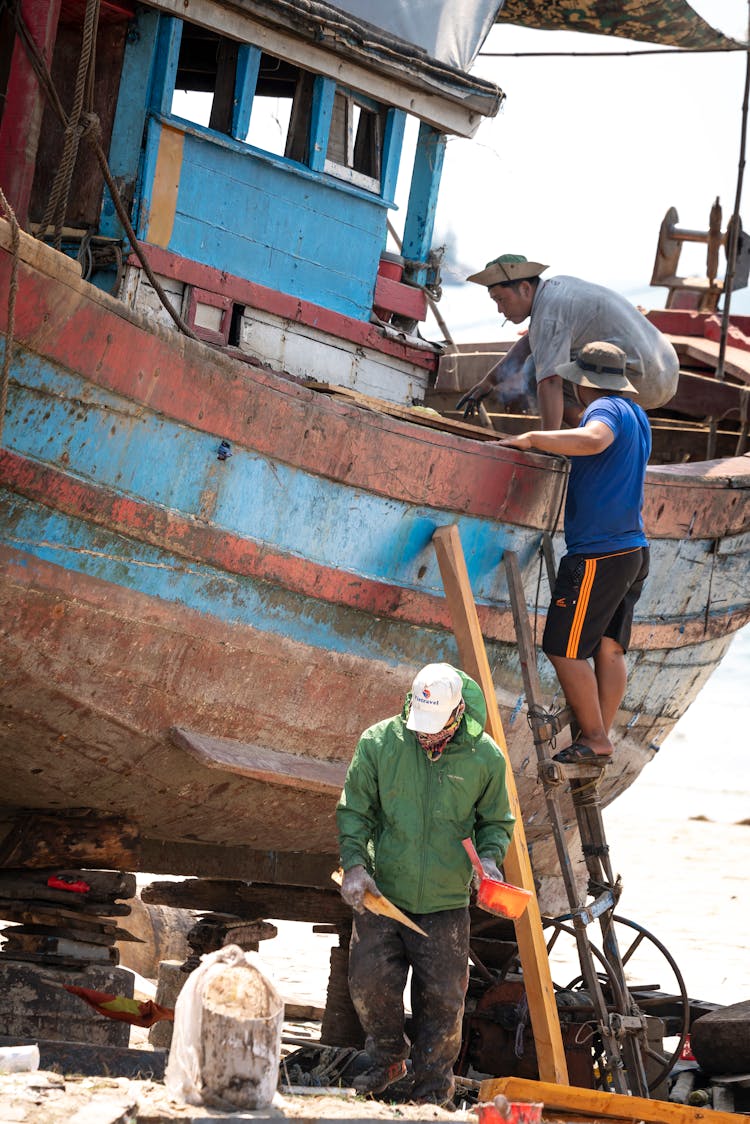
(435,694)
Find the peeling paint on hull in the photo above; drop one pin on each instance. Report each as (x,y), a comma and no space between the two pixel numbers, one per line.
(285,596)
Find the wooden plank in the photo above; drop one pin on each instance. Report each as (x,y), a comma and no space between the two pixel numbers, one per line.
(104,886)
(215,860)
(250,902)
(736,359)
(94,1060)
(395,296)
(699,396)
(273,766)
(540,992)
(75,839)
(416,415)
(593,1102)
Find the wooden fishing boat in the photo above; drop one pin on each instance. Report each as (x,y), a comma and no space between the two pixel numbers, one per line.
(216,517)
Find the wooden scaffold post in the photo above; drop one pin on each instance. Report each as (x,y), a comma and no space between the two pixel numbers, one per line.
(545,1021)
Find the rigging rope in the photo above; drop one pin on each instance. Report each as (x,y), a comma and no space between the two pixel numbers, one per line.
(88,127)
(12,291)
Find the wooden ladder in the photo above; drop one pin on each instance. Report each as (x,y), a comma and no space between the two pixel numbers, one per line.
(621,1032)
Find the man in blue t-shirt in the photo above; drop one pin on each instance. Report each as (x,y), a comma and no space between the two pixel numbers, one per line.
(601,576)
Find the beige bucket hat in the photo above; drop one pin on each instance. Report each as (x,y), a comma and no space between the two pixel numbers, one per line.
(507,267)
(600,366)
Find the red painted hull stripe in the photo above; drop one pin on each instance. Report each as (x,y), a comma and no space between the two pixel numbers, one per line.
(179,535)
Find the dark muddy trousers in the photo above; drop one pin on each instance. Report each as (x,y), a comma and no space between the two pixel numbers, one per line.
(380,955)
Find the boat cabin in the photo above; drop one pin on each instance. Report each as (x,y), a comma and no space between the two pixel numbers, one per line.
(256,151)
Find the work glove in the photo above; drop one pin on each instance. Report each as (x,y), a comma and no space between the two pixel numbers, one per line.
(490,868)
(470,401)
(355,883)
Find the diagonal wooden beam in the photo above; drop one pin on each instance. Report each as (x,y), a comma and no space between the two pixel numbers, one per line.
(545,1021)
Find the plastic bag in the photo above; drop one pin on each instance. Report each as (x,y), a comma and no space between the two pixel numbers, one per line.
(226,1042)
(19,1059)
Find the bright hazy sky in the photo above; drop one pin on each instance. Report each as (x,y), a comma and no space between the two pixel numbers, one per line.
(586,157)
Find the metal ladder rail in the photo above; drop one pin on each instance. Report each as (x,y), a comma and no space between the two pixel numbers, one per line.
(602,881)
(612,1029)
(630,1024)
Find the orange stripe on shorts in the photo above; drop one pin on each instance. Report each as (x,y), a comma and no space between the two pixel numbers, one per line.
(584,597)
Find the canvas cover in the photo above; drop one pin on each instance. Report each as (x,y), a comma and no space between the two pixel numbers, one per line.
(667,22)
(452,31)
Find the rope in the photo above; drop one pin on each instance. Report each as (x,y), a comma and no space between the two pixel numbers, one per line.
(57,204)
(89,128)
(12,291)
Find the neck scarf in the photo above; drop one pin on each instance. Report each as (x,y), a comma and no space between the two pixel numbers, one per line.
(434,744)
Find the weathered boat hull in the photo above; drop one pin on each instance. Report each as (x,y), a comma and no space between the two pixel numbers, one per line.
(283,596)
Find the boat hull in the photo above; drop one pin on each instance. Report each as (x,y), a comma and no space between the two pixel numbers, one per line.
(282,596)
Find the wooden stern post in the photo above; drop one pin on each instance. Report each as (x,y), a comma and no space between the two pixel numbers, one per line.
(545,1021)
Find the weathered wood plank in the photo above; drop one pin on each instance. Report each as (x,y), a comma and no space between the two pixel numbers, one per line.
(76,839)
(252,902)
(736,359)
(545,1019)
(272,766)
(92,1060)
(593,1102)
(104,886)
(417,415)
(214,860)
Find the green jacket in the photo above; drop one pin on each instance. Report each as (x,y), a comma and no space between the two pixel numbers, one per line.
(403,817)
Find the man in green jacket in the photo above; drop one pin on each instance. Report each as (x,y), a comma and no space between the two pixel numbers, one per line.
(418,784)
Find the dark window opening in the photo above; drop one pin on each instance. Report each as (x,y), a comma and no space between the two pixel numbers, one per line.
(235,327)
(280,118)
(206,73)
(355,142)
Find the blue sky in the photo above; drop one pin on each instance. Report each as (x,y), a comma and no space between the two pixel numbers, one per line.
(586,157)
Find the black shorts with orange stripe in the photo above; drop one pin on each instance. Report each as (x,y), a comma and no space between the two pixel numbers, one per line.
(594,596)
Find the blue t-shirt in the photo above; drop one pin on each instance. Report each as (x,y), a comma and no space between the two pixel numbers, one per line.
(605,491)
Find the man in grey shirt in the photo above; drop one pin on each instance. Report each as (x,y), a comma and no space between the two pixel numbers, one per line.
(566,314)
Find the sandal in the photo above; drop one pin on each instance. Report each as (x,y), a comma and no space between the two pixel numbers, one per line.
(577,753)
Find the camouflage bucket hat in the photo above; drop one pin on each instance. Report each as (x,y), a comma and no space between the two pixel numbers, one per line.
(505,268)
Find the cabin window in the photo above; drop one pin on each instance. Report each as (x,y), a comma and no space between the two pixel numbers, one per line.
(280,116)
(206,71)
(273,105)
(355,141)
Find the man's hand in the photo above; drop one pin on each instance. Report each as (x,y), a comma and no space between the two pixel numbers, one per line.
(354,886)
(522,441)
(470,401)
(491,870)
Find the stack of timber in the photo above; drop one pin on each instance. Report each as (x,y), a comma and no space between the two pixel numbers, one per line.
(63,918)
(62,930)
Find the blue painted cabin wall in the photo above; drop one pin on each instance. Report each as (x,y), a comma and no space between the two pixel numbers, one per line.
(285,225)
(271,221)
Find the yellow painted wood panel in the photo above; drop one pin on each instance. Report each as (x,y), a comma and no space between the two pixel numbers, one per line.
(545,1020)
(165,187)
(593,1102)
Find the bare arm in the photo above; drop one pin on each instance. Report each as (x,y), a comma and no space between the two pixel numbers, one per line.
(511,362)
(592,438)
(549,393)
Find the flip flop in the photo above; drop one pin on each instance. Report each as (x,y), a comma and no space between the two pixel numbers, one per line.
(577,753)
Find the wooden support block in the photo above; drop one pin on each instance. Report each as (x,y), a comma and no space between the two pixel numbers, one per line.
(91,1060)
(394,296)
(250,901)
(593,1102)
(103,886)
